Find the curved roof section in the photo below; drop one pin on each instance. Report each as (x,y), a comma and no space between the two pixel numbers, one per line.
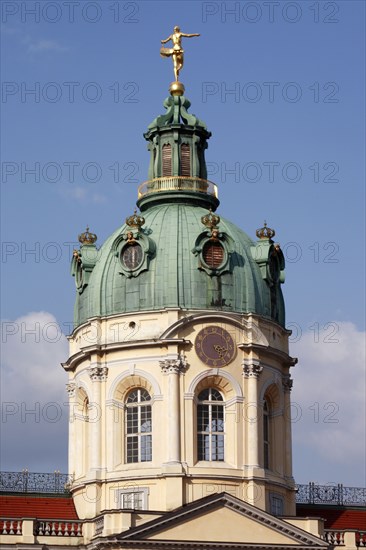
(173,275)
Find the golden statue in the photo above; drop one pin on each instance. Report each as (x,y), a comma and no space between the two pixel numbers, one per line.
(176,52)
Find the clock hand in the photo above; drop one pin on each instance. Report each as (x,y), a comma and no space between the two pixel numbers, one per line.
(220,351)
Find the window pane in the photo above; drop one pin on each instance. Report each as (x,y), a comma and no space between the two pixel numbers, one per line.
(146,454)
(132,397)
(203,418)
(203,447)
(216,396)
(146,419)
(138,422)
(217,447)
(265,435)
(127,500)
(204,395)
(210,426)
(145,396)
(132,420)
(132,449)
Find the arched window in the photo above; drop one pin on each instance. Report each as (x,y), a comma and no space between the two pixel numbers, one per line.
(138,426)
(210,425)
(185,160)
(167,160)
(266,435)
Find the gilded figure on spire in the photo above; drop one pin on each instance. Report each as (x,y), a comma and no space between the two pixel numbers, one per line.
(176,52)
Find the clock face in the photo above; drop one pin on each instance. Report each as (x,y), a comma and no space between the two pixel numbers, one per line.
(132,256)
(215,346)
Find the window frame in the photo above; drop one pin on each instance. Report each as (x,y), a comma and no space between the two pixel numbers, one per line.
(138,495)
(276,504)
(266,435)
(131,421)
(216,451)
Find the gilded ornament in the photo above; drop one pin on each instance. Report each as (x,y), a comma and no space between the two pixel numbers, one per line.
(177,54)
(87,237)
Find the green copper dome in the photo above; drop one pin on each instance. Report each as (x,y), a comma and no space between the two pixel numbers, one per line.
(179,254)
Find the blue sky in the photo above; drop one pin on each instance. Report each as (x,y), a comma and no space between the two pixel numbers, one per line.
(281,87)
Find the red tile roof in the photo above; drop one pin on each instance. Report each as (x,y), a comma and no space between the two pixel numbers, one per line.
(336,517)
(40,507)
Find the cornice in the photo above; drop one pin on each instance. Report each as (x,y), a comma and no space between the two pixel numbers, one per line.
(87,351)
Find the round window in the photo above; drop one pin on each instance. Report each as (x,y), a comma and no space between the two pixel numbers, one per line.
(213,254)
(131,256)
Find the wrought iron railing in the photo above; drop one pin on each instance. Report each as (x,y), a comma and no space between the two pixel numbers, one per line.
(58,483)
(330,494)
(31,482)
(177,183)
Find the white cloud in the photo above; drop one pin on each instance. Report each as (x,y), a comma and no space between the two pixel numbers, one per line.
(98,198)
(77,192)
(329,404)
(45,46)
(82,194)
(10,31)
(34,410)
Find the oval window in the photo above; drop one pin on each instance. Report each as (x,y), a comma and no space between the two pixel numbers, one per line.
(213,254)
(132,256)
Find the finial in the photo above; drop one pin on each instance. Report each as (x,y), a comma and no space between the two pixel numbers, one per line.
(177,54)
(265,232)
(87,237)
(210,220)
(135,220)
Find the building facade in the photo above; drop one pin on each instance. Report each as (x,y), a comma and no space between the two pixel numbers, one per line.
(179,374)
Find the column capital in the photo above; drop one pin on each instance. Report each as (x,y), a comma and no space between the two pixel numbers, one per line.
(71,389)
(287,382)
(98,374)
(251,369)
(174,365)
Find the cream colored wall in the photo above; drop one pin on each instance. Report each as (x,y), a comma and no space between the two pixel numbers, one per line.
(123,352)
(224,526)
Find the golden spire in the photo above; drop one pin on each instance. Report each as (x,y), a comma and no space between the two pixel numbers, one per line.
(177,54)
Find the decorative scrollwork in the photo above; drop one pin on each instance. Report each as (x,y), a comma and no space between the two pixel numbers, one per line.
(30,482)
(330,494)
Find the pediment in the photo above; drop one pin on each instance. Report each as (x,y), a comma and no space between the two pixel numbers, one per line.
(222,519)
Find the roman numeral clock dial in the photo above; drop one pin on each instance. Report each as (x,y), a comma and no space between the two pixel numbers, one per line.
(215,346)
